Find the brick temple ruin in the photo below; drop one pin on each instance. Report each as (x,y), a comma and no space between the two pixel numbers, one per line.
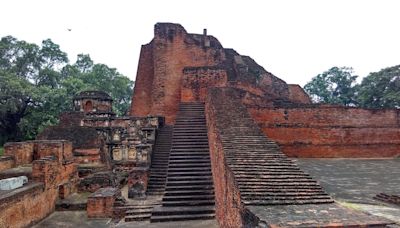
(210,135)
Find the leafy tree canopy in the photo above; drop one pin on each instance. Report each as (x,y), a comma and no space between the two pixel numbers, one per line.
(335,86)
(37,83)
(381,89)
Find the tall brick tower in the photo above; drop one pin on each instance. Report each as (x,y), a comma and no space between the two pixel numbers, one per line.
(178,66)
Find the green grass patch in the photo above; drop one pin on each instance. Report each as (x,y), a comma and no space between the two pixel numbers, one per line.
(1,151)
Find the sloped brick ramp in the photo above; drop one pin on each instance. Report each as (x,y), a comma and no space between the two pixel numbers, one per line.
(264,187)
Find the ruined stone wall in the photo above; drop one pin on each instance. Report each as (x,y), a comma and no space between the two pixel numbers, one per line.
(173,49)
(332,131)
(298,95)
(68,119)
(141,101)
(51,172)
(229,210)
(197,80)
(22,152)
(6,162)
(27,207)
(177,66)
(81,137)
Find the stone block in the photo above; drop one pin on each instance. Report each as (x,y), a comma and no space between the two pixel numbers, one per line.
(7,162)
(100,204)
(13,182)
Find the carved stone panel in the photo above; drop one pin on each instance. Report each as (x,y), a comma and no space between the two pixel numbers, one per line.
(132,153)
(117,154)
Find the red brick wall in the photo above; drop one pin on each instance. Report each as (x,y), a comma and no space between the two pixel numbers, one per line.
(196,82)
(298,95)
(162,82)
(68,119)
(229,210)
(6,162)
(173,49)
(61,150)
(332,131)
(33,202)
(141,101)
(327,116)
(100,204)
(28,207)
(21,151)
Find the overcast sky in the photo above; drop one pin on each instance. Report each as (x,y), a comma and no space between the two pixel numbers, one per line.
(295,40)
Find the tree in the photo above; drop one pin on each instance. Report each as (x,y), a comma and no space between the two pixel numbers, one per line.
(16,95)
(335,86)
(381,89)
(37,84)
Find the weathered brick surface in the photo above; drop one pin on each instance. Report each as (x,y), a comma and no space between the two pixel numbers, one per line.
(21,151)
(138,175)
(6,162)
(26,205)
(321,116)
(332,131)
(100,204)
(176,66)
(272,190)
(143,84)
(197,80)
(298,95)
(69,119)
(229,209)
(53,173)
(97,181)
(81,137)
(61,150)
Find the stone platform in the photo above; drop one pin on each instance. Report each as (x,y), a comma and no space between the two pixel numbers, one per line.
(354,182)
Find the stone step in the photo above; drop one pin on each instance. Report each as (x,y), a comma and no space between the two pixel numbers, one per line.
(201,140)
(138,217)
(189,182)
(273,178)
(282,194)
(193,150)
(192,165)
(188,197)
(277,185)
(190,192)
(189,154)
(193,203)
(183,217)
(146,210)
(188,188)
(188,173)
(188,178)
(265,175)
(262,168)
(281,190)
(188,160)
(189,169)
(190,145)
(286,202)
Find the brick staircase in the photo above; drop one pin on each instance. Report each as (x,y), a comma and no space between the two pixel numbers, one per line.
(265,176)
(189,191)
(159,163)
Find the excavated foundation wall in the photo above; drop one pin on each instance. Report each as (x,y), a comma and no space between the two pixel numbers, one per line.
(52,170)
(332,131)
